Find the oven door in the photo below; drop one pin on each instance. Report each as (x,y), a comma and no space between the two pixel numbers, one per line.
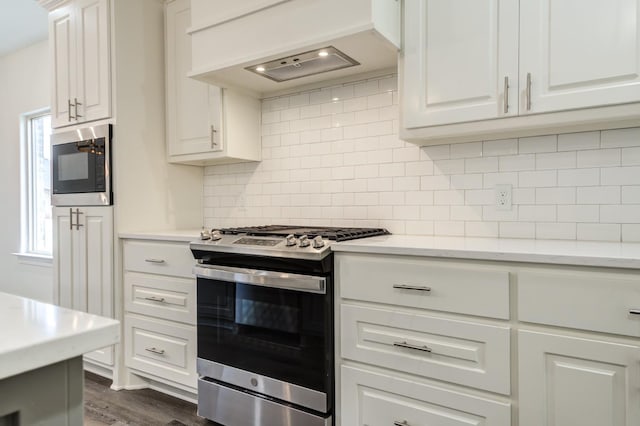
(80,164)
(268,332)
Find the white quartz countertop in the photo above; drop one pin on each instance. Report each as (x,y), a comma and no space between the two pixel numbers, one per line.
(583,253)
(184,235)
(35,334)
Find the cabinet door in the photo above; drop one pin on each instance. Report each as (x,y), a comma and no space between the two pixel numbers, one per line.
(93,93)
(63,261)
(576,381)
(193,108)
(579,53)
(459,57)
(96,241)
(63,55)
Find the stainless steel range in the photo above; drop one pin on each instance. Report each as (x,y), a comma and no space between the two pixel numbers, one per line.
(265,324)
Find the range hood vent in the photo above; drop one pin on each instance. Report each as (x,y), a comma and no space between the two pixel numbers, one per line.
(304,64)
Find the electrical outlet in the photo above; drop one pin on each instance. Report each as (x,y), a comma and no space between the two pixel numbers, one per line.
(503,196)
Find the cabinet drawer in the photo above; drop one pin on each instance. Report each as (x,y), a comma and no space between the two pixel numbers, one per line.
(466,353)
(169,298)
(375,399)
(165,258)
(462,288)
(596,301)
(163,349)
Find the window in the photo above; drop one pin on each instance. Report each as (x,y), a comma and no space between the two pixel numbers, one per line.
(37,227)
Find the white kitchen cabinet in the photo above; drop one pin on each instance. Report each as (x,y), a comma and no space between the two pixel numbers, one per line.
(205,124)
(460,61)
(579,53)
(478,70)
(83,259)
(405,322)
(160,305)
(374,398)
(577,381)
(81,72)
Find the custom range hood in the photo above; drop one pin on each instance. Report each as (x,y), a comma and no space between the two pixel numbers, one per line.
(270,46)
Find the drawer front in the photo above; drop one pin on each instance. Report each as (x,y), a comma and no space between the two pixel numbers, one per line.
(163,349)
(411,281)
(164,258)
(375,399)
(103,356)
(595,301)
(466,353)
(168,298)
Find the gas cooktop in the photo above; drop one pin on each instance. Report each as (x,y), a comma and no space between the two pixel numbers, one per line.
(301,242)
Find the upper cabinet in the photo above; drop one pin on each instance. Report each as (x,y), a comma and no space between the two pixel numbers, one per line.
(267,46)
(579,53)
(79,43)
(205,124)
(503,68)
(460,61)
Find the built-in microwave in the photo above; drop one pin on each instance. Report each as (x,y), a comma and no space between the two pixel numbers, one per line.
(81,167)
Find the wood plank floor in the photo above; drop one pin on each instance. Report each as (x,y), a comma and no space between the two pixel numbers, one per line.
(145,407)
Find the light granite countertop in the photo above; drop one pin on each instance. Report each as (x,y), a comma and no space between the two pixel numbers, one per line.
(36,334)
(184,235)
(582,253)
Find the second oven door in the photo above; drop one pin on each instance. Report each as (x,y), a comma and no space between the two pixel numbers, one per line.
(275,332)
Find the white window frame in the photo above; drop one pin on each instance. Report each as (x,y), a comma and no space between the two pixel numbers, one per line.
(28,252)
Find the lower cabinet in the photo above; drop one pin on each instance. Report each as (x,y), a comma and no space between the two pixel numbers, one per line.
(377,399)
(547,345)
(160,312)
(83,265)
(568,380)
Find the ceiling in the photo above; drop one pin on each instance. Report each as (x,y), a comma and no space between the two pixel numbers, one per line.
(22,22)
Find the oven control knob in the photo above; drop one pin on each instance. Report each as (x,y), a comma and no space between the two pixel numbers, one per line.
(317,242)
(303,241)
(205,234)
(290,240)
(216,235)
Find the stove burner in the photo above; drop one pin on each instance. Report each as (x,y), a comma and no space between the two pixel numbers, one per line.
(327,232)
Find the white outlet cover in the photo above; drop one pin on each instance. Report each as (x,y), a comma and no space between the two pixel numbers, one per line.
(502,196)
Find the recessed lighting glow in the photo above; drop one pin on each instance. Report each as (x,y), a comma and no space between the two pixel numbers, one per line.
(323,53)
(260,68)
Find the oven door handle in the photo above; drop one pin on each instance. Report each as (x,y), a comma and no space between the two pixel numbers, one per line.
(285,280)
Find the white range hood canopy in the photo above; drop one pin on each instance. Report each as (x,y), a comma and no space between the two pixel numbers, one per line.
(271,46)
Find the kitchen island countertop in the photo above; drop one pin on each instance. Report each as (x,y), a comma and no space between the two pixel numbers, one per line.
(580,253)
(36,334)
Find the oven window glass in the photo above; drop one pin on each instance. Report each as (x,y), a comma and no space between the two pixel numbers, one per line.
(273,332)
(73,166)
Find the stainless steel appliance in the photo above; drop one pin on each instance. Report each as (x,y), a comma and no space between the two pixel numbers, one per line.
(81,167)
(265,324)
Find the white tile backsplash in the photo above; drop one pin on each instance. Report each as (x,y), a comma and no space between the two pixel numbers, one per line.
(332,156)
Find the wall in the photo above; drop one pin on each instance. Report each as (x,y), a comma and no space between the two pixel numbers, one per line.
(332,157)
(24,85)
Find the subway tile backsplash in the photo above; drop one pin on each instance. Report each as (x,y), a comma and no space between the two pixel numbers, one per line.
(332,156)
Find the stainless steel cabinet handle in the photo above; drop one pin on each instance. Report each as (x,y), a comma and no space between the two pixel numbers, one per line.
(213,133)
(411,287)
(154,260)
(634,311)
(506,94)
(76,108)
(69,116)
(401,423)
(410,346)
(155,299)
(528,91)
(155,351)
(78,224)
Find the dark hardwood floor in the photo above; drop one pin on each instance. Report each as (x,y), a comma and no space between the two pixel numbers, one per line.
(145,407)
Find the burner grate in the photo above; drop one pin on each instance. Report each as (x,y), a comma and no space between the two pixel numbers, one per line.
(330,233)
